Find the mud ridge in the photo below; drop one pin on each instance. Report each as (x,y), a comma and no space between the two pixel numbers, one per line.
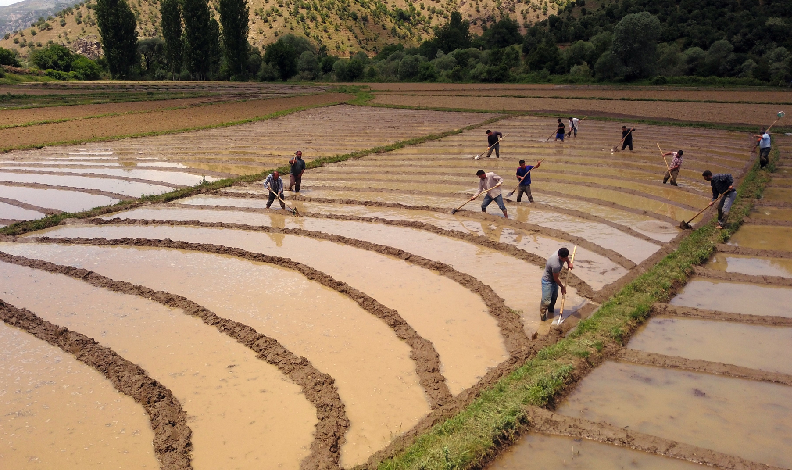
(739,277)
(319,388)
(172,436)
(740,250)
(510,326)
(549,232)
(767,222)
(422,351)
(8,221)
(696,365)
(97,192)
(551,423)
(767,203)
(29,207)
(95,175)
(703,314)
(9,167)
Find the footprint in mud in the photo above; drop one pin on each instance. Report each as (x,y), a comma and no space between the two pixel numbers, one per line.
(698,393)
(642,378)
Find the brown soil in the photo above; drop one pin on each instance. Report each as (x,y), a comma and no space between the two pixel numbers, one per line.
(691,312)
(8,221)
(739,250)
(541,420)
(738,277)
(98,192)
(27,206)
(171,434)
(97,175)
(767,222)
(158,121)
(318,388)
(697,365)
(20,162)
(779,204)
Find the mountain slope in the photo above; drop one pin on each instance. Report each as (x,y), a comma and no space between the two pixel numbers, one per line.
(22,14)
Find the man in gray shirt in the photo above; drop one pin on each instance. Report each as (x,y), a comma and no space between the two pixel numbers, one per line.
(551,281)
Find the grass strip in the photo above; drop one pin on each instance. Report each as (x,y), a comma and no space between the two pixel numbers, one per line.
(21,228)
(470,438)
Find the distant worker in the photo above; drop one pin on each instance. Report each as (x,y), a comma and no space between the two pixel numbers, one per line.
(764,148)
(296,171)
(573,126)
(627,137)
(722,184)
(673,169)
(524,175)
(274,185)
(492,182)
(560,131)
(493,140)
(551,280)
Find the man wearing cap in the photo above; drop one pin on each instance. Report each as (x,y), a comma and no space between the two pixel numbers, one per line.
(722,184)
(274,185)
(673,170)
(551,280)
(524,175)
(764,148)
(296,172)
(493,139)
(492,182)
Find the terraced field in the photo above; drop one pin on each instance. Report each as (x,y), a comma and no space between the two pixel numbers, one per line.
(211,332)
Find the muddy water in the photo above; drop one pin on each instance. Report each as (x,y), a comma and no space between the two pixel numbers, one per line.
(7,211)
(56,412)
(544,452)
(242,411)
(775,194)
(69,201)
(750,265)
(489,266)
(154,176)
(464,334)
(733,297)
(128,188)
(373,371)
(739,417)
(763,237)
(758,347)
(771,213)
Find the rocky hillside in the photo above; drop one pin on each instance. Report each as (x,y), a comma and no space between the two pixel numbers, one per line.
(21,15)
(345,26)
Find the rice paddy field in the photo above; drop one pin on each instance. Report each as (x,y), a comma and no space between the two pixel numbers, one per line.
(156,314)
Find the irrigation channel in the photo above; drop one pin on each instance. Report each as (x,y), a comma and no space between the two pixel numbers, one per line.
(211,332)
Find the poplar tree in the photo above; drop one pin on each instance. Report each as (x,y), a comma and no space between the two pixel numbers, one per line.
(118,29)
(197,43)
(234,17)
(171,23)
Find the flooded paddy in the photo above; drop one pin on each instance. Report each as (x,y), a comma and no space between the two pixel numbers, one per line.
(763,237)
(68,201)
(771,213)
(735,297)
(10,212)
(126,188)
(751,265)
(56,412)
(738,417)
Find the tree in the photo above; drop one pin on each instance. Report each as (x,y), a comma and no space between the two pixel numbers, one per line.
(8,57)
(234,17)
(52,57)
(502,34)
(281,54)
(453,35)
(152,51)
(635,44)
(171,24)
(197,38)
(118,29)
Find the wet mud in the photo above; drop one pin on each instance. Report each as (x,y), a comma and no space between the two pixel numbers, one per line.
(83,174)
(28,207)
(99,192)
(761,253)
(763,279)
(706,314)
(734,297)
(68,201)
(317,387)
(114,188)
(12,212)
(172,435)
(763,237)
(753,266)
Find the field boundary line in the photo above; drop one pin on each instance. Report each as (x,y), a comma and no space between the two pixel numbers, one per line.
(660,309)
(97,192)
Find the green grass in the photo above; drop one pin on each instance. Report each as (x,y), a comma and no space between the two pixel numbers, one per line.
(470,438)
(24,101)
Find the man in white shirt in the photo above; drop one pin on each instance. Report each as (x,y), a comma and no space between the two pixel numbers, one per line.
(492,182)
(764,148)
(573,126)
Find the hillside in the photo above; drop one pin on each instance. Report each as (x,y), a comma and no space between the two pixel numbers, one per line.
(343,25)
(21,15)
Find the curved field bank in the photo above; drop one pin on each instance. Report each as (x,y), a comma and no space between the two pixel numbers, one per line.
(90,426)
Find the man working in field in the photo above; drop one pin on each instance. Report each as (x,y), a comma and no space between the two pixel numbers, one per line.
(560,131)
(573,126)
(525,180)
(627,137)
(492,182)
(493,140)
(722,184)
(296,172)
(764,148)
(673,169)
(551,280)
(274,185)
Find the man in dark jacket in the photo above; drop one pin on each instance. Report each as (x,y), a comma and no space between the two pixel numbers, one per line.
(722,184)
(493,140)
(627,135)
(296,172)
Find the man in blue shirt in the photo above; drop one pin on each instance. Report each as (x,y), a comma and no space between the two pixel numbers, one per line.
(525,180)
(764,148)
(722,184)
(275,186)
(551,282)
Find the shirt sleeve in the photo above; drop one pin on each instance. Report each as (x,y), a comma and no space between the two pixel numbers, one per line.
(497,179)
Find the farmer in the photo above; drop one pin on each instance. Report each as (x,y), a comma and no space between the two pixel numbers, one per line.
(551,281)
(673,170)
(573,126)
(764,148)
(296,172)
(493,140)
(722,184)
(627,135)
(274,185)
(525,180)
(560,131)
(491,180)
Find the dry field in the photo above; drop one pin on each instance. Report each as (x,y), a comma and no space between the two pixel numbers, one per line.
(211,332)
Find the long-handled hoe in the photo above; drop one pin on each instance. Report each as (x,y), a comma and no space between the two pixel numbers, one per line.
(686,225)
(454,211)
(560,318)
(526,174)
(570,130)
(664,158)
(616,148)
(488,148)
(779,115)
(293,210)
